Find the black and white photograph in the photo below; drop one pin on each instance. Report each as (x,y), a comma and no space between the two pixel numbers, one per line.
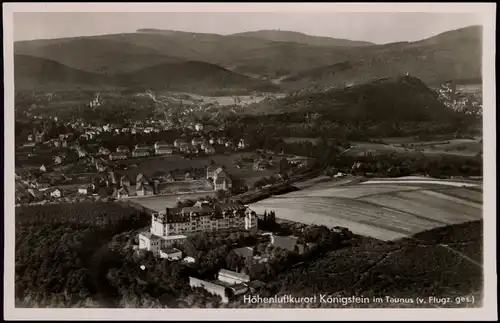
(264,161)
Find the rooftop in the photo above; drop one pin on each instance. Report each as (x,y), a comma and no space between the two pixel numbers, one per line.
(229,273)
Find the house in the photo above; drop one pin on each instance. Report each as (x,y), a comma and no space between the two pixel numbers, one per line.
(54,192)
(86,189)
(242,144)
(180,142)
(209,150)
(122,149)
(144,190)
(222,180)
(232,277)
(43,168)
(188,176)
(30,137)
(211,171)
(64,144)
(118,156)
(159,143)
(198,141)
(141,146)
(198,127)
(141,152)
(189,260)
(228,144)
(125,181)
(170,253)
(164,150)
(140,180)
(58,160)
(39,136)
(122,193)
(104,151)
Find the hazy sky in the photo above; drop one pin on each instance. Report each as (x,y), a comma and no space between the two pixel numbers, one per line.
(375,27)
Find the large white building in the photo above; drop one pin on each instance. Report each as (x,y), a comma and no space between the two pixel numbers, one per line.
(172,226)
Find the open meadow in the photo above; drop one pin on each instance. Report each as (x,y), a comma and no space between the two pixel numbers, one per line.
(382,210)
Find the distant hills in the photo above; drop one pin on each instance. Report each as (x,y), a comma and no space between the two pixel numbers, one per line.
(454,55)
(193,76)
(298,60)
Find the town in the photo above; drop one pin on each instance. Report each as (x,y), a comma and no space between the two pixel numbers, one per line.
(174,169)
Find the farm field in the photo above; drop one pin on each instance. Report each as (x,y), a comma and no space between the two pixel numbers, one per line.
(382,211)
(148,166)
(160,202)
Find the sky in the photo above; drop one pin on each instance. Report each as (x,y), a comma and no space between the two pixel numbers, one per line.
(377,27)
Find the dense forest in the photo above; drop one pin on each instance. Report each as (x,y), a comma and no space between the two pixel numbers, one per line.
(55,246)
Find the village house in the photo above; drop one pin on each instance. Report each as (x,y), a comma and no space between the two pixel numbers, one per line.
(180,142)
(188,176)
(140,180)
(141,152)
(30,137)
(219,177)
(122,149)
(124,181)
(160,143)
(86,189)
(54,192)
(39,136)
(198,141)
(58,160)
(43,168)
(118,156)
(144,190)
(242,144)
(198,127)
(164,150)
(170,254)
